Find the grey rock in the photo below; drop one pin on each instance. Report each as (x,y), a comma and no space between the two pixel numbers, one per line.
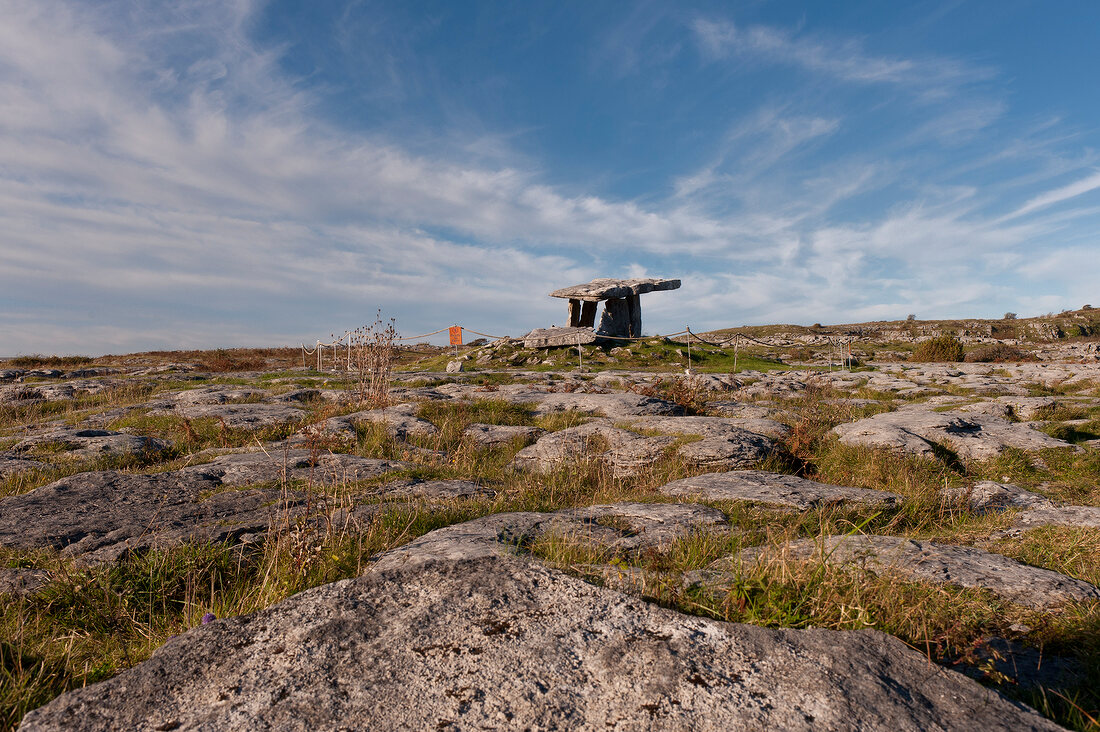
(775,489)
(1074,516)
(629,527)
(609,405)
(555,337)
(238,416)
(494,643)
(969,435)
(275,465)
(929,561)
(996,660)
(741,410)
(13,464)
(606,288)
(742,449)
(433,489)
(495,435)
(625,452)
(710,426)
(218,395)
(22,582)
(400,421)
(632,527)
(303,395)
(455,366)
(44,374)
(101,516)
(988,496)
(93,443)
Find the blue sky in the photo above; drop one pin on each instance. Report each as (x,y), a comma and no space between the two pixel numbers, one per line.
(202,174)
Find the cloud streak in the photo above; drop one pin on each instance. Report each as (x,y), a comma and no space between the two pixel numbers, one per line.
(165,182)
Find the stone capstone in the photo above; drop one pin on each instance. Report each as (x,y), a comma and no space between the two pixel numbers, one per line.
(602,289)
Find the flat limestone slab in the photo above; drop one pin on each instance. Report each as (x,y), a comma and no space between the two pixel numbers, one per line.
(1032,587)
(324,468)
(969,435)
(237,416)
(93,443)
(613,405)
(774,488)
(100,516)
(505,643)
(494,435)
(605,288)
(1075,516)
(12,464)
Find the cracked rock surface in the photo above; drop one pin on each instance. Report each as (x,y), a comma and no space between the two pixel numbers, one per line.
(775,489)
(502,642)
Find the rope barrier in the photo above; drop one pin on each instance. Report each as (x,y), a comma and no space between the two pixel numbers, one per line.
(734,340)
(468,330)
(641,338)
(425,335)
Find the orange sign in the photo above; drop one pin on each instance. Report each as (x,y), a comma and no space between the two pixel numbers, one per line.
(456,335)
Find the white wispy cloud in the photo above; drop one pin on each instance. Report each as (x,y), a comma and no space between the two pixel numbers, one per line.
(1058,195)
(843,59)
(164,183)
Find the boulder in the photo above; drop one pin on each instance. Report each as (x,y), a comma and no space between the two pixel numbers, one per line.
(400,420)
(741,449)
(623,451)
(774,489)
(481,641)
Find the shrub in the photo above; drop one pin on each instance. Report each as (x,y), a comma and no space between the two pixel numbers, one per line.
(999,353)
(943,348)
(911,316)
(1010,316)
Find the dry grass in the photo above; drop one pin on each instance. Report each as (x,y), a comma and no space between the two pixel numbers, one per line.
(90,623)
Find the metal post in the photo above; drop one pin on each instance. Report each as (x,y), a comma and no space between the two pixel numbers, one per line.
(689,345)
(580,357)
(736,340)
